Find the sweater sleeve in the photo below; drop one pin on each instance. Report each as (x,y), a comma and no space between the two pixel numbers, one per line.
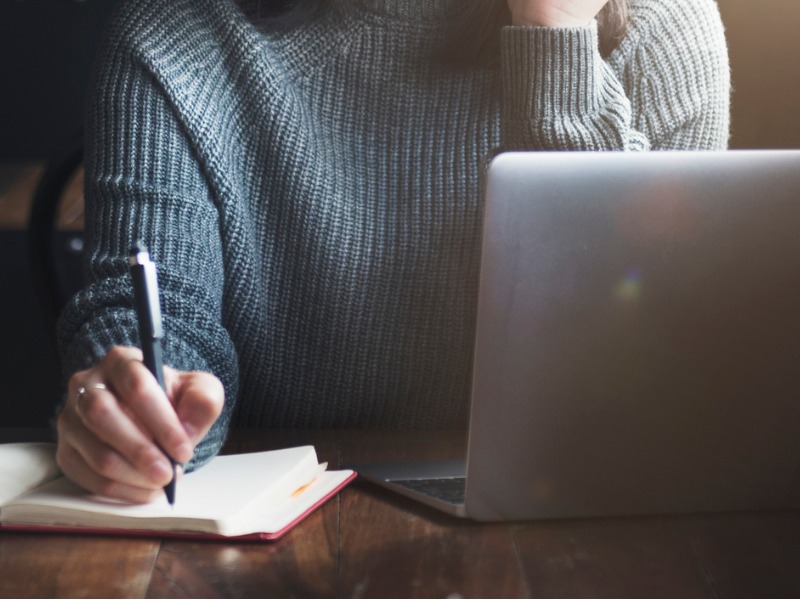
(666,86)
(144,182)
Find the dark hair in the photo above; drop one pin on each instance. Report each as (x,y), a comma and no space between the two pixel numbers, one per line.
(473,39)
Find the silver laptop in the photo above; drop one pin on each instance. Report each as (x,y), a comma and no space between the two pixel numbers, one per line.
(638,340)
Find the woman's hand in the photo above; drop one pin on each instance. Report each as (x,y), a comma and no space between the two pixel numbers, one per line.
(109,435)
(554,13)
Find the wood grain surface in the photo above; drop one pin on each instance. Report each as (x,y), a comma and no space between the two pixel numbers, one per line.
(368,542)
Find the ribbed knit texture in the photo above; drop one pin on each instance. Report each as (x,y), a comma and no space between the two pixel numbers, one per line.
(312,199)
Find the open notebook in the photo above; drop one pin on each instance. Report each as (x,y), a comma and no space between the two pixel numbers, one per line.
(256,496)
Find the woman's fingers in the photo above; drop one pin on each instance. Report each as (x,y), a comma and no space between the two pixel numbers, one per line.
(138,392)
(73,463)
(118,428)
(119,447)
(95,465)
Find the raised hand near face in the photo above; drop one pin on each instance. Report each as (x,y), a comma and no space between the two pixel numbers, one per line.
(554,13)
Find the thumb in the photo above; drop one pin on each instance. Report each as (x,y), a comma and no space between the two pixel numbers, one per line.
(198,398)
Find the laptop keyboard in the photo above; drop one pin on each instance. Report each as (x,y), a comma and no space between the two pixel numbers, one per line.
(449,489)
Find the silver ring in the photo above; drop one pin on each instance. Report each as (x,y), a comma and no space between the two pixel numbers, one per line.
(83,390)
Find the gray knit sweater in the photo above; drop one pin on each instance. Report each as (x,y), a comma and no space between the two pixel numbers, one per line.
(312,198)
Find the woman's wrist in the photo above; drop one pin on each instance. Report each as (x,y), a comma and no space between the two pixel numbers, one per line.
(556,14)
(523,20)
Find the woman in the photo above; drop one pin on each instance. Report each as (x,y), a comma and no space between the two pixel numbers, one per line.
(309,187)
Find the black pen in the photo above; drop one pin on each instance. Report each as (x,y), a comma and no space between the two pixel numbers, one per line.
(148,313)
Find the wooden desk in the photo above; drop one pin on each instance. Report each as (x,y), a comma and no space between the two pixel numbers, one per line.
(370,543)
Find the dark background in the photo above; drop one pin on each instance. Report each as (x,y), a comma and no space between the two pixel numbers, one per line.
(46,52)
(46,49)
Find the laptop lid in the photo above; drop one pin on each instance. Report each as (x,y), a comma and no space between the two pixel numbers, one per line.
(638,335)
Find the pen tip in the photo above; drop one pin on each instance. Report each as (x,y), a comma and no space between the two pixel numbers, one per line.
(170,490)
